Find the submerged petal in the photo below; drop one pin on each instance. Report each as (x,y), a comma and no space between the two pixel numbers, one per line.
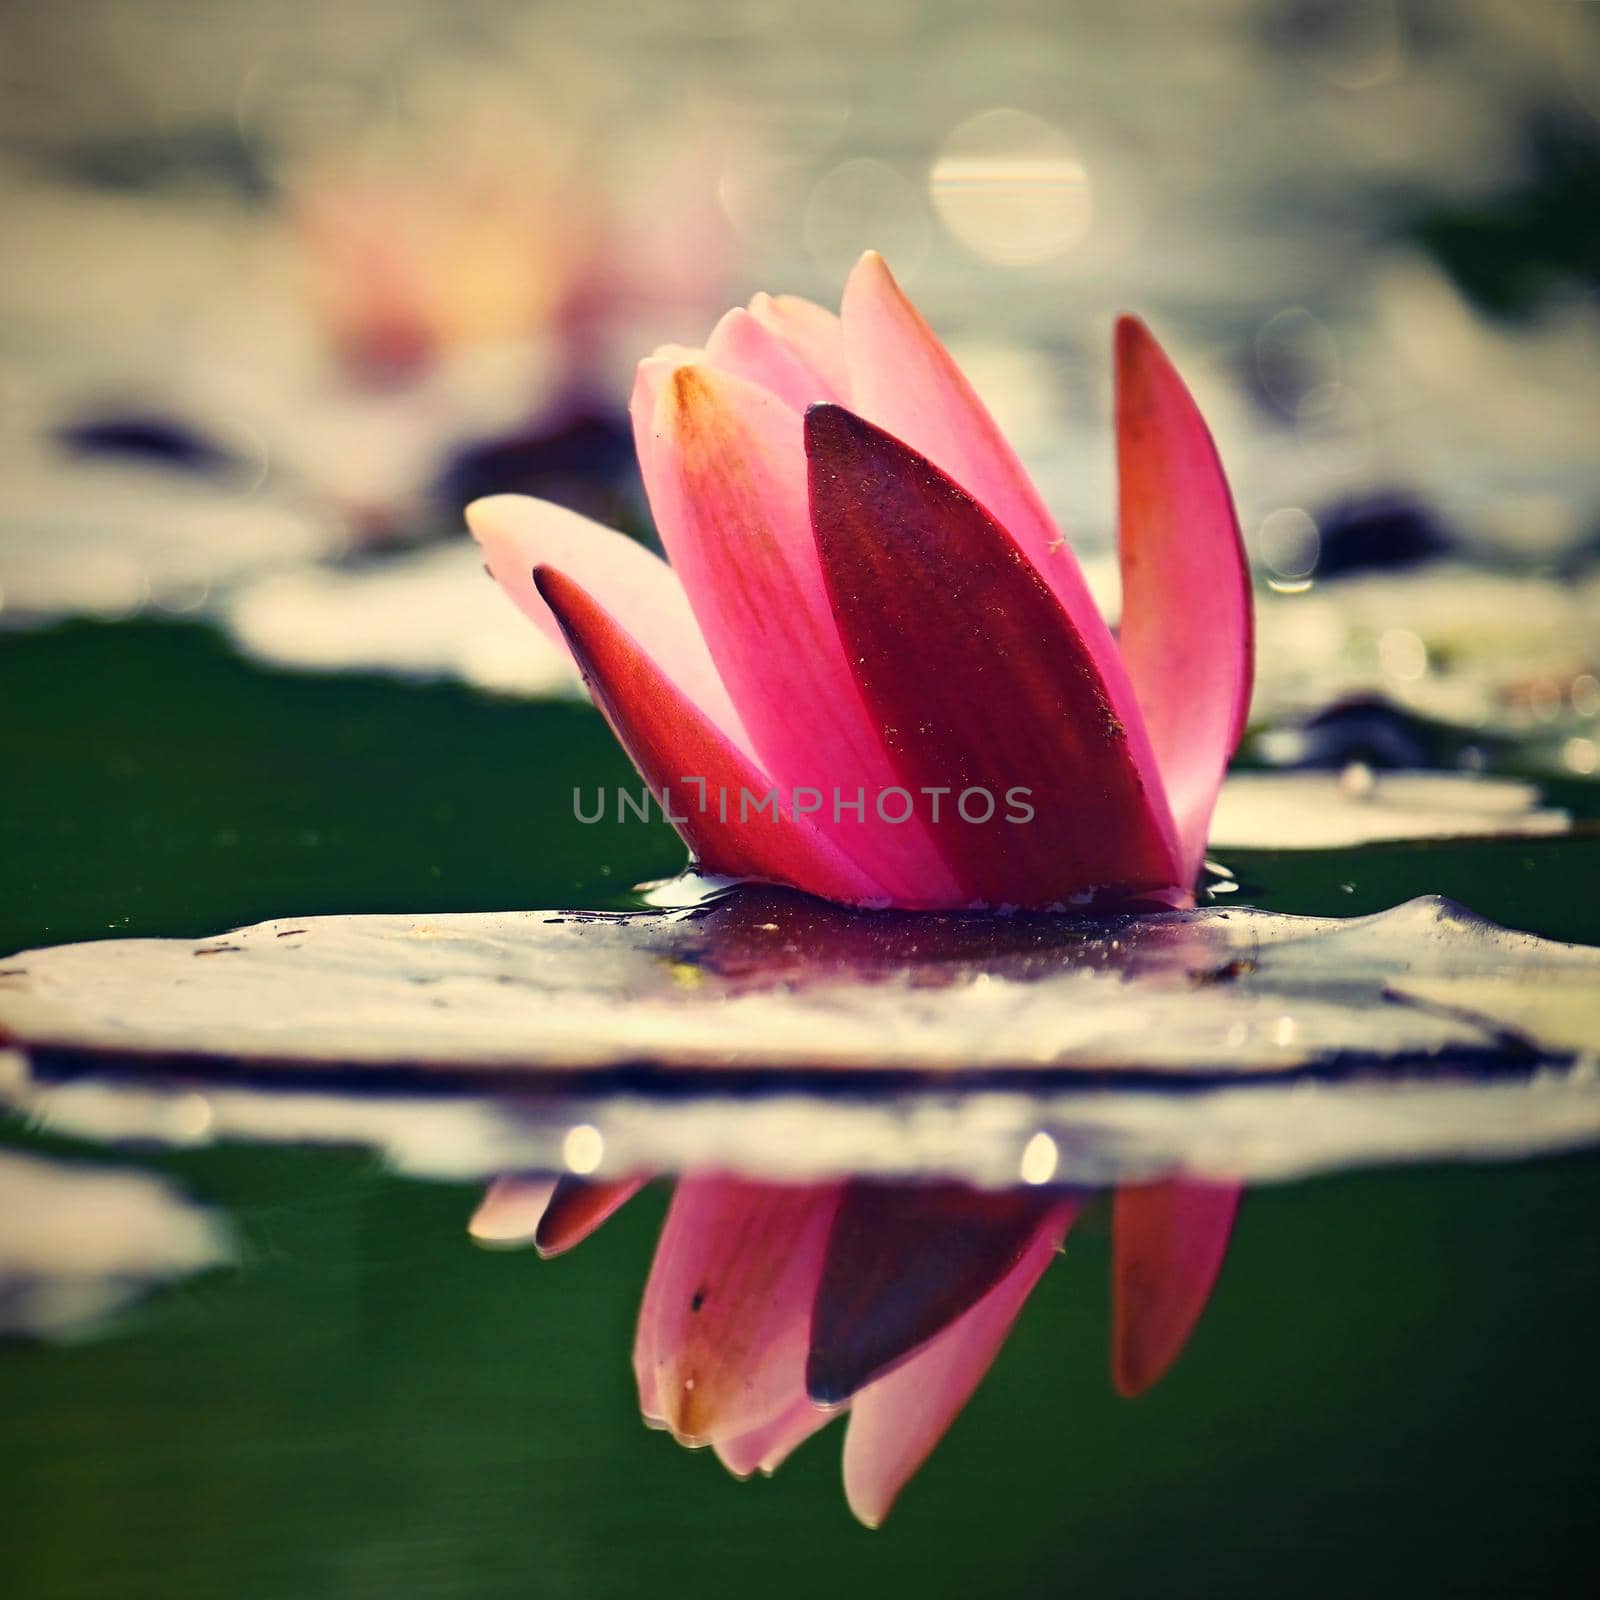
(1168,1241)
(694,769)
(577,1207)
(904,1261)
(721,1346)
(896,1422)
(511,1210)
(1186,633)
(725,468)
(981,683)
(518,533)
(766,1448)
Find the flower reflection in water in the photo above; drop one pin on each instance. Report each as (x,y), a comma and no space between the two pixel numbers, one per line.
(770,1309)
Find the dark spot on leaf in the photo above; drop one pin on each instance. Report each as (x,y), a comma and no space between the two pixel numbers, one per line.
(1239,967)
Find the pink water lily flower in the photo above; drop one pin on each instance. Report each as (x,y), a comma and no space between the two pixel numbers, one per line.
(873,669)
(771,1309)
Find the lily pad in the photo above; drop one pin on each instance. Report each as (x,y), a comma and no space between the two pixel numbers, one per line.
(426,614)
(113,540)
(1501,654)
(1330,811)
(769,1033)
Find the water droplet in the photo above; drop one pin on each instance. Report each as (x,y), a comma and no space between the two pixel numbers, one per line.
(583,1148)
(1039,1159)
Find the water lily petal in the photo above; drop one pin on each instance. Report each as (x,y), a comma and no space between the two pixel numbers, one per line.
(812,330)
(1168,1243)
(671,741)
(746,347)
(721,1345)
(896,1422)
(1186,633)
(646,1369)
(510,1210)
(765,1449)
(904,380)
(577,1207)
(518,533)
(724,465)
(978,678)
(903,1262)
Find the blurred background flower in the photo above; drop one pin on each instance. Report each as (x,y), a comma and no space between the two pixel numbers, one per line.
(289,283)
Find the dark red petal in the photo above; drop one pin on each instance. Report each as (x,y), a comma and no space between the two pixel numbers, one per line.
(978,679)
(896,1421)
(1168,1241)
(577,1207)
(902,1264)
(669,740)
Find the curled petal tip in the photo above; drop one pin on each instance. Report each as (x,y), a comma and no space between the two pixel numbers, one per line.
(482,514)
(1137,350)
(576,1208)
(551,586)
(508,1216)
(871,271)
(826,421)
(1132,342)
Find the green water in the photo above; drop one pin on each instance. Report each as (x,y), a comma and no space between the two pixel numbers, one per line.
(1394,1390)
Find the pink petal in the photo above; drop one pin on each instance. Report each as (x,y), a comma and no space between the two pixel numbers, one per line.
(896,1422)
(518,533)
(904,380)
(646,1369)
(766,1448)
(725,468)
(904,1261)
(1186,612)
(813,331)
(577,1208)
(979,679)
(1168,1241)
(670,740)
(510,1210)
(721,1346)
(748,348)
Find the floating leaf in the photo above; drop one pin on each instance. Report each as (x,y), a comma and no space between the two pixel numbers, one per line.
(779,1036)
(1497,653)
(1329,811)
(425,614)
(111,540)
